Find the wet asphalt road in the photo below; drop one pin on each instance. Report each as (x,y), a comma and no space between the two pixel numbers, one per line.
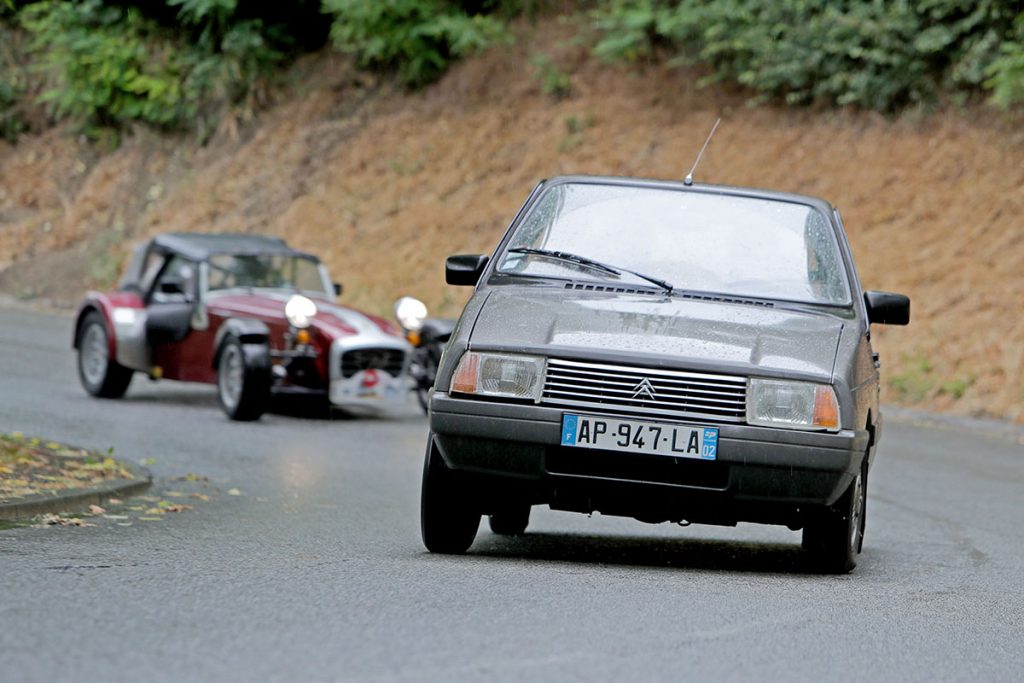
(315,571)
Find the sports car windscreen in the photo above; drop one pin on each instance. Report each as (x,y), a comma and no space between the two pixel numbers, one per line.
(276,271)
(693,241)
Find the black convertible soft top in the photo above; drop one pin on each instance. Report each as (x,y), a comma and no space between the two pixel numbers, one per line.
(201,246)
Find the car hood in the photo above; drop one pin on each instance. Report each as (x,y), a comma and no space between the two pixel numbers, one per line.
(637,328)
(332,319)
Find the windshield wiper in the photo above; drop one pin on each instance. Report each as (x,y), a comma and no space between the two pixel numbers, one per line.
(597,265)
(567,256)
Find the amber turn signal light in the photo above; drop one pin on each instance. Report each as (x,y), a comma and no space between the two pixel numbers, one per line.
(464,381)
(826,409)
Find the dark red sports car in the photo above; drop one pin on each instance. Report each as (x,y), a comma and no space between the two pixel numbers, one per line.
(247,313)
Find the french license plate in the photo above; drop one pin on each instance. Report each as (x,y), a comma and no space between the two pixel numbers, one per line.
(639,436)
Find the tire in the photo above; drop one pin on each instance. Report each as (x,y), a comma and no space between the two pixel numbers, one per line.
(425,380)
(99,374)
(243,390)
(423,396)
(834,537)
(511,521)
(448,522)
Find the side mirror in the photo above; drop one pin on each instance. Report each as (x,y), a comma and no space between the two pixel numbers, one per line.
(464,269)
(172,287)
(887,308)
(337,288)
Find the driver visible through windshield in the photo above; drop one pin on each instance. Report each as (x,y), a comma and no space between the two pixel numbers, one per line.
(680,240)
(277,271)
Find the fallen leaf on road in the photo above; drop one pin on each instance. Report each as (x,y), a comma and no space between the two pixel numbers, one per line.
(96,510)
(151,519)
(51,519)
(234,492)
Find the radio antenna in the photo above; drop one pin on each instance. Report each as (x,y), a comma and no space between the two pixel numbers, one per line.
(688,180)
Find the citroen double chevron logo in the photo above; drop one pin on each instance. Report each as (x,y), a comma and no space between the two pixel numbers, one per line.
(644,390)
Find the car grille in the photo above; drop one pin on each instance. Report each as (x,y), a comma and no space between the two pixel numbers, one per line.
(391,361)
(646,391)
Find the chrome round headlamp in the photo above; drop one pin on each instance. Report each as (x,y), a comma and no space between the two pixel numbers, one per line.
(410,313)
(300,311)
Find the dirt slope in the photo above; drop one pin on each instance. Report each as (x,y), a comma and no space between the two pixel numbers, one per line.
(385,184)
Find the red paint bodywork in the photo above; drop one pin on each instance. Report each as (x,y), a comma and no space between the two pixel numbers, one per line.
(105,303)
(192,358)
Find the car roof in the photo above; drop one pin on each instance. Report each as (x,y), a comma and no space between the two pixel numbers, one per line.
(200,246)
(705,188)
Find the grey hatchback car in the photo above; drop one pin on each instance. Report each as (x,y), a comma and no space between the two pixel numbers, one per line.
(662,351)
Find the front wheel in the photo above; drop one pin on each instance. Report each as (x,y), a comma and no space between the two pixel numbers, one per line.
(101,375)
(834,537)
(424,377)
(448,521)
(243,389)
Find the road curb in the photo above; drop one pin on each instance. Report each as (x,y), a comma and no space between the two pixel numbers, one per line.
(79,499)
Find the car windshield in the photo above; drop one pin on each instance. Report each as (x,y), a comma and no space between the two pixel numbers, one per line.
(695,241)
(278,271)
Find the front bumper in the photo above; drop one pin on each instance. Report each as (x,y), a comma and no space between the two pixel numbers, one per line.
(761,474)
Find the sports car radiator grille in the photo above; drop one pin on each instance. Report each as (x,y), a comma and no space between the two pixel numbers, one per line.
(646,391)
(391,361)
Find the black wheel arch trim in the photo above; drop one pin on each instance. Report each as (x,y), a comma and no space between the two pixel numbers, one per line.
(254,335)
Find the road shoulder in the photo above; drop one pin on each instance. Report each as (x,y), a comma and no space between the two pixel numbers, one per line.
(39,477)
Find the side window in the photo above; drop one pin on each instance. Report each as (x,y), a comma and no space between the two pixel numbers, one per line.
(176,282)
(154,260)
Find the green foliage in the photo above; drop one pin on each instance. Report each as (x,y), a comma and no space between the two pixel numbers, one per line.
(919,380)
(873,54)
(12,85)
(1006,72)
(107,65)
(416,38)
(554,81)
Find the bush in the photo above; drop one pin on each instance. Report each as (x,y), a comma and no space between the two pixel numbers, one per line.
(416,38)
(107,65)
(12,83)
(867,53)
(1006,72)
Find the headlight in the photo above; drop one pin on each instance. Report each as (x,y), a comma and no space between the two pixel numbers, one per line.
(498,374)
(300,311)
(793,405)
(410,313)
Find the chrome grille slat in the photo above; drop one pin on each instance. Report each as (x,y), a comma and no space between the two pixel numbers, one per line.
(677,393)
(678,401)
(598,368)
(670,384)
(391,361)
(627,388)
